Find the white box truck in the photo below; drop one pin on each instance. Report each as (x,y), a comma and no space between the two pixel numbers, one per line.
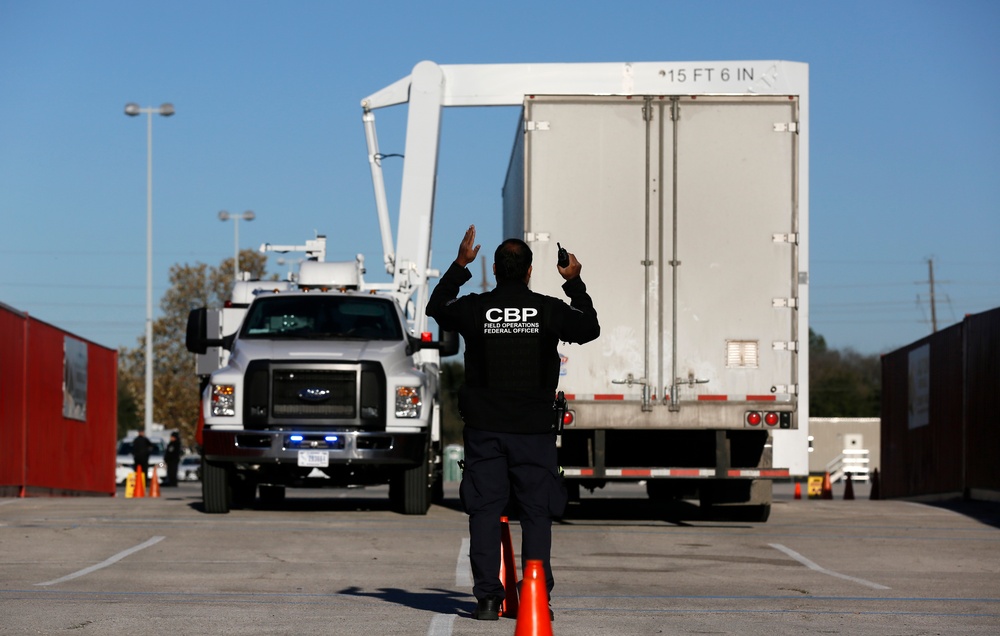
(682,189)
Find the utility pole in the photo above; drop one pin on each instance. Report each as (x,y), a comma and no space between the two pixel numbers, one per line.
(930,272)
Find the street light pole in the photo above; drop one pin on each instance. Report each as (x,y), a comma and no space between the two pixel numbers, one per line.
(133,110)
(246,216)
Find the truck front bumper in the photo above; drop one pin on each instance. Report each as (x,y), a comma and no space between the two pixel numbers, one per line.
(283,447)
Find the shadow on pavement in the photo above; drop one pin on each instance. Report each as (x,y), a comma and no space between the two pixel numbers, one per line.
(985,512)
(432,600)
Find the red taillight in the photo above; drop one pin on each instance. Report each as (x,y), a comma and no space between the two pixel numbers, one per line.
(568,418)
(771,419)
(753,418)
(425,336)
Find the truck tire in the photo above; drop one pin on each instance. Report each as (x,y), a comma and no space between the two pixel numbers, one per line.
(410,490)
(216,491)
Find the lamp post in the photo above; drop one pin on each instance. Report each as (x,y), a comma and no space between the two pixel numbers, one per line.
(132,110)
(246,216)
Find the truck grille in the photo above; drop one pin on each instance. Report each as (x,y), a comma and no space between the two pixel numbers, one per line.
(308,393)
(314,395)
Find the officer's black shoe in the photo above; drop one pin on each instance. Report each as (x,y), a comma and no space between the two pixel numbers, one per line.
(488,609)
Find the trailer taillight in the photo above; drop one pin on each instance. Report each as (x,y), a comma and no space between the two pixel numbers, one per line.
(568,418)
(781,419)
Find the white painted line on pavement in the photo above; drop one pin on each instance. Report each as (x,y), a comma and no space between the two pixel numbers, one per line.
(463,569)
(441,625)
(812,566)
(106,562)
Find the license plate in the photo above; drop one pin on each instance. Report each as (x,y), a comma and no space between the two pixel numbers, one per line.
(314,458)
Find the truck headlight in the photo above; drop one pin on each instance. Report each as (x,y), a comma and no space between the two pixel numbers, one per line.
(408,401)
(223,400)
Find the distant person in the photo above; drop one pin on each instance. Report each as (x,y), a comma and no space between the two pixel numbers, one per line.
(172,457)
(141,449)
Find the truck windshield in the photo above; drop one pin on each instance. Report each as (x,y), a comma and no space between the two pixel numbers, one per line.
(322,316)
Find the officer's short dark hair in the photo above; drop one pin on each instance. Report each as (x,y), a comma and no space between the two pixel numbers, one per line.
(512,260)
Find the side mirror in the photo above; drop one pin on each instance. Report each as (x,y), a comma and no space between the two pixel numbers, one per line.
(447,345)
(197,331)
(196,336)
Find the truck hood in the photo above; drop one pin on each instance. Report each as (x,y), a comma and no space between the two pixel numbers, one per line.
(333,350)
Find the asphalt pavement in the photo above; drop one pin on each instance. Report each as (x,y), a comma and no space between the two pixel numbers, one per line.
(341,562)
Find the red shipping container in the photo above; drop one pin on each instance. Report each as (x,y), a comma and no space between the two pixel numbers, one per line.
(58,410)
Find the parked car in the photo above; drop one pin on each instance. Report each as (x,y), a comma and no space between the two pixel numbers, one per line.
(125,463)
(189,468)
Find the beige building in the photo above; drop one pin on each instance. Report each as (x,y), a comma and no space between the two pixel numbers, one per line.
(839,445)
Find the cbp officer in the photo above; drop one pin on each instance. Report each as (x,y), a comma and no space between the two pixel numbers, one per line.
(511,375)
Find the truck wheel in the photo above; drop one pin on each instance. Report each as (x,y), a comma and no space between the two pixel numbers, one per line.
(410,490)
(216,492)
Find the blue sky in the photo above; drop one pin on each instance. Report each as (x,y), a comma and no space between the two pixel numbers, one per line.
(905,138)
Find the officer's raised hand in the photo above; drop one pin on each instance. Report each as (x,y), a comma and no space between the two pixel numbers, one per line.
(468,250)
(572,270)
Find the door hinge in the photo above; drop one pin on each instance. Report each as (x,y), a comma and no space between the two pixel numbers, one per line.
(784,302)
(791,389)
(791,127)
(789,237)
(530,126)
(791,345)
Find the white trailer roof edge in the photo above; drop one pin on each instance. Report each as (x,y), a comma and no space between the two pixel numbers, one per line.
(507,84)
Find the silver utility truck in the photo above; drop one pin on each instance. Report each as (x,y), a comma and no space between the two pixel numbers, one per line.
(683,189)
(322,384)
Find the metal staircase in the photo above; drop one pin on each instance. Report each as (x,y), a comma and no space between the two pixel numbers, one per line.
(853,462)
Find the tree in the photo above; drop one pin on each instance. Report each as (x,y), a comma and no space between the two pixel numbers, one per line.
(175,385)
(842,383)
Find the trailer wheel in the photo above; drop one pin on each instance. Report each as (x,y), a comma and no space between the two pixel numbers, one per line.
(664,490)
(410,490)
(749,514)
(216,492)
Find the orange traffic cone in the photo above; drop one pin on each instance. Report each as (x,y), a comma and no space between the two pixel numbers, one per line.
(154,484)
(827,488)
(508,570)
(534,619)
(848,488)
(140,484)
(798,490)
(875,494)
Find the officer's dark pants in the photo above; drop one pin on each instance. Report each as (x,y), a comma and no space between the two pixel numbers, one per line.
(496,464)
